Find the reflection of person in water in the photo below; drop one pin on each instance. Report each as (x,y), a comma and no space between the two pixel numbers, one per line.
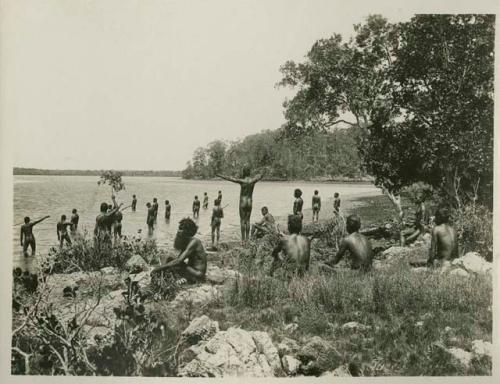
(247,185)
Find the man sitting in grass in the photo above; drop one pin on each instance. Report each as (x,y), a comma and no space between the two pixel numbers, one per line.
(358,245)
(444,243)
(295,248)
(191,264)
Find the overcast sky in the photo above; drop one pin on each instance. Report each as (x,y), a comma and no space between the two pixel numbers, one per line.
(140,84)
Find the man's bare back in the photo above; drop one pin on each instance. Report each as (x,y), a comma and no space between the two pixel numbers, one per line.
(444,244)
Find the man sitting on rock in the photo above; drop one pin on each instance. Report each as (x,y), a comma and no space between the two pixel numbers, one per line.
(358,245)
(296,249)
(444,243)
(191,264)
(265,225)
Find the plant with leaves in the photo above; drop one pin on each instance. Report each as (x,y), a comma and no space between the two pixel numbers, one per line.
(113,179)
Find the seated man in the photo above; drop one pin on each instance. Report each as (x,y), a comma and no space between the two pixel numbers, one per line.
(358,245)
(296,249)
(444,243)
(191,264)
(265,225)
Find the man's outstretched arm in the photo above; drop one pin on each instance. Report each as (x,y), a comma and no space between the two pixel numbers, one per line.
(258,178)
(229,178)
(39,221)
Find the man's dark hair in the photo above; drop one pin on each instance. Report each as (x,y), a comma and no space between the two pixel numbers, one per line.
(155,199)
(74,210)
(297,193)
(133,195)
(220,191)
(148,204)
(336,194)
(104,207)
(167,202)
(353,223)
(294,224)
(196,196)
(26,219)
(316,192)
(204,193)
(188,227)
(63,217)
(245,171)
(442,215)
(264,209)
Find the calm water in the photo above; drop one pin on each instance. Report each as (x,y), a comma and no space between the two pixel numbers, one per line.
(36,196)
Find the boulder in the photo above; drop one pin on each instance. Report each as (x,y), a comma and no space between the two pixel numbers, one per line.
(110,271)
(481,348)
(290,364)
(355,326)
(459,272)
(417,255)
(197,296)
(473,262)
(200,328)
(235,352)
(287,347)
(313,349)
(143,279)
(291,328)
(216,275)
(136,264)
(461,355)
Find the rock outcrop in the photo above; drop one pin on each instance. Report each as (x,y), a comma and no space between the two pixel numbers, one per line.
(472,262)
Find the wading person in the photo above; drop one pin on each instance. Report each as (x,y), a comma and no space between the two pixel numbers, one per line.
(265,225)
(104,221)
(294,250)
(168,209)
(444,243)
(217,216)
(62,231)
(357,245)
(219,196)
(298,203)
(247,185)
(336,204)
(191,264)
(196,207)
(316,206)
(27,236)
(134,203)
(155,207)
(205,201)
(75,218)
(150,219)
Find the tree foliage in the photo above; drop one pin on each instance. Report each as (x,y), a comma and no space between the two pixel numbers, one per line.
(113,179)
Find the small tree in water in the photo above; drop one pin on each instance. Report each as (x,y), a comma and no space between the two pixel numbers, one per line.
(113,179)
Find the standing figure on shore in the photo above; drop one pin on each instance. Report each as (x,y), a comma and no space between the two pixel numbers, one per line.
(444,243)
(27,236)
(75,218)
(155,207)
(196,207)
(168,209)
(217,216)
(336,204)
(298,203)
(219,196)
(62,231)
(150,219)
(117,226)
(104,221)
(134,203)
(205,201)
(247,185)
(358,245)
(316,206)
(191,264)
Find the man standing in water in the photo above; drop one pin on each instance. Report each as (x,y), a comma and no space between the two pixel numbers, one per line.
(205,201)
(298,203)
(247,185)
(150,219)
(27,237)
(104,221)
(191,264)
(316,206)
(155,207)
(336,203)
(196,208)
(75,218)
(219,196)
(217,216)
(168,209)
(62,231)
(444,243)
(134,203)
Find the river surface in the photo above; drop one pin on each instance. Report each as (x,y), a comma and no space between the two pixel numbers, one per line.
(36,196)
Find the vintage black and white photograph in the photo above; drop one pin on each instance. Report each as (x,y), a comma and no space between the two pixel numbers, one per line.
(220,189)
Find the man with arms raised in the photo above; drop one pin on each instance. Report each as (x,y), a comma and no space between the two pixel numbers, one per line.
(247,185)
(27,236)
(295,248)
(191,264)
(358,245)
(444,243)
(105,219)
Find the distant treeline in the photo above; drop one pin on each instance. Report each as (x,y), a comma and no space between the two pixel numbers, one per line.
(90,172)
(328,156)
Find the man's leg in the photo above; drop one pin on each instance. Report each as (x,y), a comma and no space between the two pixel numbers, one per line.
(25,247)
(213,235)
(218,234)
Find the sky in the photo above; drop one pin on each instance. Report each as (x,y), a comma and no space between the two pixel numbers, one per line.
(123,84)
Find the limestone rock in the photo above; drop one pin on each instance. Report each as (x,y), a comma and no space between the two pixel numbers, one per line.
(216,275)
(291,328)
(196,296)
(313,349)
(290,364)
(110,270)
(200,328)
(461,355)
(480,347)
(355,326)
(473,262)
(143,279)
(231,353)
(136,264)
(459,272)
(287,347)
